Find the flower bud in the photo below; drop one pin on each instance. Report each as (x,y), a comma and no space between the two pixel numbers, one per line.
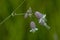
(28,13)
(33,27)
(38,15)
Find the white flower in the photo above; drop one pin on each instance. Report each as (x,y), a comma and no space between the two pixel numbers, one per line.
(42,19)
(28,13)
(33,27)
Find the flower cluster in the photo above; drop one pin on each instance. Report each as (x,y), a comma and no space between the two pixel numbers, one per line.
(41,19)
(28,13)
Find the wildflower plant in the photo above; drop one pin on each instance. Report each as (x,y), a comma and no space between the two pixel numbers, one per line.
(17,22)
(39,16)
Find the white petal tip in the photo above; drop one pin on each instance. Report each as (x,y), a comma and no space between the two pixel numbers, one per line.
(34,30)
(30,30)
(44,16)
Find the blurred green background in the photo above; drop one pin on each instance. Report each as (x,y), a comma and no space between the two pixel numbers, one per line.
(17,28)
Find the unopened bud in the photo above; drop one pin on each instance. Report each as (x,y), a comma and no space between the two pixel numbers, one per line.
(38,15)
